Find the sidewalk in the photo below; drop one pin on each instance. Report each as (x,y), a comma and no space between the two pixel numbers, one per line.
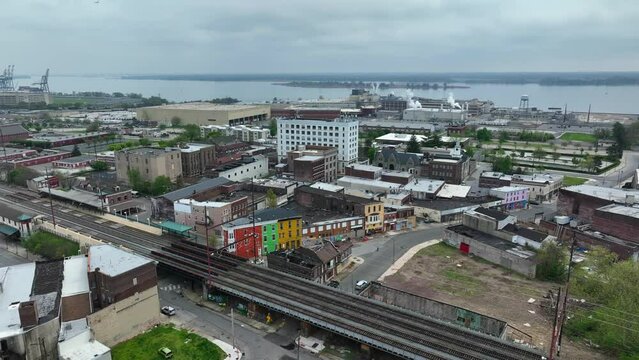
(407,256)
(197,299)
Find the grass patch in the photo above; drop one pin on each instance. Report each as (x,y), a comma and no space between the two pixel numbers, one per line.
(572,136)
(183,344)
(572,180)
(439,249)
(50,245)
(460,284)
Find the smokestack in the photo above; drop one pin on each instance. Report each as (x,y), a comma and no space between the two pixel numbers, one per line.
(28,313)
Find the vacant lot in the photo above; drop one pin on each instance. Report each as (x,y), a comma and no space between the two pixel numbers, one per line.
(571,136)
(440,272)
(183,344)
(571,180)
(51,246)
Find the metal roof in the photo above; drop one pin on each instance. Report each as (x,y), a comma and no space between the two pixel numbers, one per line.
(7,230)
(112,261)
(173,226)
(203,185)
(13,129)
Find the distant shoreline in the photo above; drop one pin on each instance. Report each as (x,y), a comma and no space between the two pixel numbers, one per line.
(367,85)
(458,80)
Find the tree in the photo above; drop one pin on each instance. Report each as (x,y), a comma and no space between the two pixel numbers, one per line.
(176,121)
(587,163)
(162,127)
(503,164)
(192,132)
(611,295)
(539,153)
(371,153)
(271,199)
(413,145)
(144,142)
(213,134)
(434,141)
(212,240)
(100,165)
(135,179)
(620,137)
(273,127)
(503,137)
(93,127)
(469,151)
(20,175)
(160,185)
(552,262)
(76,151)
(484,135)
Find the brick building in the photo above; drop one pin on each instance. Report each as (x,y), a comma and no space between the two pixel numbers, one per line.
(313,163)
(205,189)
(192,213)
(371,210)
(491,179)
(364,171)
(44,157)
(196,158)
(74,162)
(115,274)
(149,162)
(11,132)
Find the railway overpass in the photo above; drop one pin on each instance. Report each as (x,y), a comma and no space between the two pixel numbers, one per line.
(381,326)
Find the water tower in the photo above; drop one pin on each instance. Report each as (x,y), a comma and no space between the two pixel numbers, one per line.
(523,103)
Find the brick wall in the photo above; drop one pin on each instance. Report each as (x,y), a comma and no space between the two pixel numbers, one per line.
(623,227)
(75,307)
(625,251)
(580,205)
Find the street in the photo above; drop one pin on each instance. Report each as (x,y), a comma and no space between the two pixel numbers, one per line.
(256,344)
(379,253)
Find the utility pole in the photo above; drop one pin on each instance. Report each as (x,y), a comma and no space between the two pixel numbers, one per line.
(233,326)
(563,314)
(3,147)
(46,171)
(208,251)
(253,232)
(555,328)
(299,343)
(393,250)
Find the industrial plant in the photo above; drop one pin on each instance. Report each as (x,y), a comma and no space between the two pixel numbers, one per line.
(38,92)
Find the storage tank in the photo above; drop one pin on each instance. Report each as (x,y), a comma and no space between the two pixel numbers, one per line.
(562,220)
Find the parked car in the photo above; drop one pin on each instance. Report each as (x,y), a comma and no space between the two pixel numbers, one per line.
(168,310)
(333,283)
(361,285)
(165,352)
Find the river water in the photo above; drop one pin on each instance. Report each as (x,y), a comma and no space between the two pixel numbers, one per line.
(615,99)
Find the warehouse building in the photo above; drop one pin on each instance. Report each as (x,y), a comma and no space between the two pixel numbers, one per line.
(203,113)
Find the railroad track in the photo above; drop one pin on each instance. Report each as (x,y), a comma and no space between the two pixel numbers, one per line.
(458,342)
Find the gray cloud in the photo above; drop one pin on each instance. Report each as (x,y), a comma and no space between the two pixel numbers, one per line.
(198,36)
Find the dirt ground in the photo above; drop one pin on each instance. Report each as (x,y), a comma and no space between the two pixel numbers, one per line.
(440,272)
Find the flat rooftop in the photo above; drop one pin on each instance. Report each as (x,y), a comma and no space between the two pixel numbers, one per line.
(112,261)
(356,181)
(605,193)
(13,151)
(362,167)
(188,148)
(509,188)
(76,280)
(450,191)
(76,159)
(538,178)
(630,211)
(205,106)
(309,158)
(327,187)
(492,241)
(424,185)
(208,204)
(150,150)
(16,282)
(399,137)
(450,204)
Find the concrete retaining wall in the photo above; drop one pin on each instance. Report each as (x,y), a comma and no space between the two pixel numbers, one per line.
(134,224)
(510,261)
(124,319)
(438,310)
(84,240)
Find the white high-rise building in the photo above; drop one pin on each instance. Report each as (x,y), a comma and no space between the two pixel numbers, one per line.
(342,133)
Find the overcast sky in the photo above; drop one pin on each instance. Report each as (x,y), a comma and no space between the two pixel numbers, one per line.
(275,36)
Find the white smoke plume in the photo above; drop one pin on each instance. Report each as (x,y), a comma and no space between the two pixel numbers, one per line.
(412,104)
(451,101)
